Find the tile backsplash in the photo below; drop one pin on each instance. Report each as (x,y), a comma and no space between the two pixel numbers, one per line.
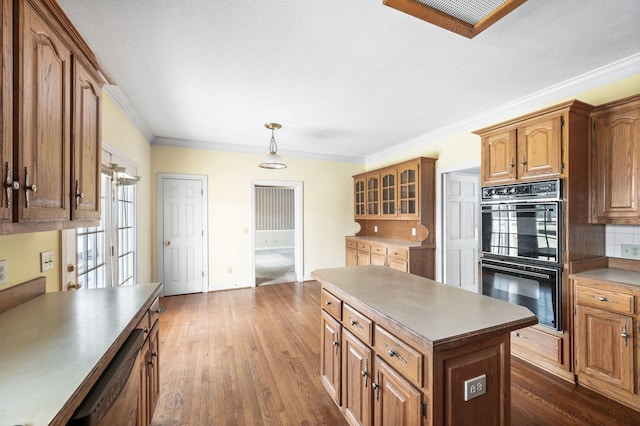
(616,235)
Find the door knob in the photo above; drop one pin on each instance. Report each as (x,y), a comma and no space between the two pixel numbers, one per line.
(73,286)
(71,268)
(167,243)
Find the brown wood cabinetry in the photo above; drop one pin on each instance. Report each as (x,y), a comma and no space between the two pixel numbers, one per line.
(405,256)
(528,150)
(606,333)
(615,162)
(380,371)
(51,135)
(149,369)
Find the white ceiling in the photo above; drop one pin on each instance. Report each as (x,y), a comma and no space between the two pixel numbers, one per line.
(349,79)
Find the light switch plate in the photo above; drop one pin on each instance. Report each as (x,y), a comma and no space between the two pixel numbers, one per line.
(46,261)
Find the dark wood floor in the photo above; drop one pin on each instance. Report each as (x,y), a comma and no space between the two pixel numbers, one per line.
(251,357)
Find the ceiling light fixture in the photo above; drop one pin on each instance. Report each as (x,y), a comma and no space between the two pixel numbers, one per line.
(467,18)
(272,160)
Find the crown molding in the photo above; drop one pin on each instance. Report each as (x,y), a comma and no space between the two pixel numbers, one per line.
(537,100)
(246,149)
(122,102)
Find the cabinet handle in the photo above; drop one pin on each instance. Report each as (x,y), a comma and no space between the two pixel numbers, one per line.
(392,353)
(603,299)
(365,373)
(512,165)
(335,344)
(33,188)
(9,185)
(79,195)
(376,386)
(523,163)
(328,303)
(624,334)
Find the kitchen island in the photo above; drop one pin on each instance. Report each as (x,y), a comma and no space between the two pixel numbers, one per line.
(402,349)
(54,347)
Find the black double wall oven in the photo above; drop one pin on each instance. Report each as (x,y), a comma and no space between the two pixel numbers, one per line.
(522,247)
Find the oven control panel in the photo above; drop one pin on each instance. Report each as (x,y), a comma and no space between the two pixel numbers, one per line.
(549,189)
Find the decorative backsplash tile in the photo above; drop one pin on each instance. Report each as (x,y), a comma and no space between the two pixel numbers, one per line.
(616,235)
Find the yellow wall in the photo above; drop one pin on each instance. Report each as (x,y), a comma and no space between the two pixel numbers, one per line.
(22,251)
(464,147)
(327,207)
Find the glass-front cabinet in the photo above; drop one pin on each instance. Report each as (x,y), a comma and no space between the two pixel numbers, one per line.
(388,190)
(359,206)
(408,191)
(373,196)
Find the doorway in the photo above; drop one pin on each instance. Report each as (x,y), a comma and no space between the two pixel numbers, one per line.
(277,232)
(182,233)
(460,228)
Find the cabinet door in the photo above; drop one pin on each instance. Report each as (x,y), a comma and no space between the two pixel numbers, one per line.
(408,192)
(143,393)
(400,265)
(540,148)
(6,135)
(388,182)
(602,351)
(364,258)
(330,356)
(351,256)
(154,370)
(373,194)
(499,157)
(357,368)
(359,203)
(396,401)
(615,162)
(86,144)
(44,64)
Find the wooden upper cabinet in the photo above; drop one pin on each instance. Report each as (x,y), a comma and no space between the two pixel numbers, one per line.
(43,119)
(615,160)
(359,199)
(528,150)
(373,195)
(6,135)
(499,157)
(86,152)
(388,193)
(540,148)
(408,190)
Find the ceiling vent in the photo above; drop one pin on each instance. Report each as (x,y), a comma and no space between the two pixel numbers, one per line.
(465,17)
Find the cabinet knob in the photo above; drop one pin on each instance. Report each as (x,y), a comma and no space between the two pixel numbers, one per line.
(328,303)
(73,286)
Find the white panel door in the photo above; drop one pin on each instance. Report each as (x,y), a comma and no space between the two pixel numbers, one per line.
(462,198)
(183,236)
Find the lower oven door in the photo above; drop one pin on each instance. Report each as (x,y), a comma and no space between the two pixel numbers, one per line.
(538,288)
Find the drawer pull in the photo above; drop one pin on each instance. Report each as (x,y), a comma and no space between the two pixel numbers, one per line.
(392,353)
(328,303)
(355,323)
(603,299)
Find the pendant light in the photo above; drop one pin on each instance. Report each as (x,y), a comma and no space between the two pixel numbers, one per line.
(272,160)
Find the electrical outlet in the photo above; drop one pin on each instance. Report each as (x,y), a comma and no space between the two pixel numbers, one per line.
(375,228)
(3,272)
(631,251)
(413,232)
(475,387)
(46,261)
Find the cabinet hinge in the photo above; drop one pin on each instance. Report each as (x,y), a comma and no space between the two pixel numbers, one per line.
(423,410)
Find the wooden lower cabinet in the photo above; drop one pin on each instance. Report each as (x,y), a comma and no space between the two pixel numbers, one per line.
(607,349)
(149,369)
(397,401)
(330,358)
(415,259)
(357,378)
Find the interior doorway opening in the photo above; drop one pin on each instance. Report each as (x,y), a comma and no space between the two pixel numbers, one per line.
(277,242)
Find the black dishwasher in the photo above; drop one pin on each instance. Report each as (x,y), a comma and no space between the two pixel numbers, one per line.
(113,400)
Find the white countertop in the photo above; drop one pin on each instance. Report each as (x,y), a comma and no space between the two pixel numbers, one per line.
(435,311)
(49,345)
(611,274)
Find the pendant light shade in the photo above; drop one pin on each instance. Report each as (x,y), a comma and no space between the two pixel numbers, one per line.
(272,160)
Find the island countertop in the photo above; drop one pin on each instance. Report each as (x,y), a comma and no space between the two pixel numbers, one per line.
(54,347)
(439,313)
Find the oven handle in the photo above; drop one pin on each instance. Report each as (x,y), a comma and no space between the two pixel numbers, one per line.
(522,210)
(504,269)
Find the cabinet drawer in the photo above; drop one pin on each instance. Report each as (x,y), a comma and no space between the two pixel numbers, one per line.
(357,323)
(364,247)
(398,253)
(529,340)
(376,249)
(605,299)
(331,304)
(154,312)
(352,244)
(399,355)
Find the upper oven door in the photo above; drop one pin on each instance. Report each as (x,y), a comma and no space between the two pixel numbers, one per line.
(522,230)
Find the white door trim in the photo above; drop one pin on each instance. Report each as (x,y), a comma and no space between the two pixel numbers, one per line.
(160,223)
(298,252)
(440,171)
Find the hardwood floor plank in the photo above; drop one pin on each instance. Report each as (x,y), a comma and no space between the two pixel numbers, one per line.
(251,357)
